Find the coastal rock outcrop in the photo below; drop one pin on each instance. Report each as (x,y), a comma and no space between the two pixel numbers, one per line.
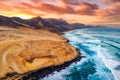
(25,50)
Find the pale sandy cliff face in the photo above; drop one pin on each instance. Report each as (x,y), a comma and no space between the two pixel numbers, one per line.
(24,50)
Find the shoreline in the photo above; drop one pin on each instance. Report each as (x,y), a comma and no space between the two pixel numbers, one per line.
(42,72)
(37,74)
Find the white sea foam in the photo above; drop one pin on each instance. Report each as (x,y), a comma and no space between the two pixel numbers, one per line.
(102,57)
(56,75)
(94,41)
(59,75)
(111,64)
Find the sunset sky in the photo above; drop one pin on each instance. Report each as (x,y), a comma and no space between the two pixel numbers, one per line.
(96,12)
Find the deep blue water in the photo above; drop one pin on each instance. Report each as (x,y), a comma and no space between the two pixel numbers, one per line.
(101,46)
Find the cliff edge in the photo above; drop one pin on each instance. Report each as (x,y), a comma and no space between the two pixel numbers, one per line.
(25,50)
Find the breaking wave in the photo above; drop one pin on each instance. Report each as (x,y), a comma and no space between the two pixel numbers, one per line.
(101,46)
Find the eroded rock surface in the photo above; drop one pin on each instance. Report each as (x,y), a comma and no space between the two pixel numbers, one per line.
(24,50)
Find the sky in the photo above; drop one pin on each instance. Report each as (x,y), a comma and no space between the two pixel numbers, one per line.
(95,12)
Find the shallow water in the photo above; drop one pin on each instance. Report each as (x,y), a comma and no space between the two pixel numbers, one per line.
(101,46)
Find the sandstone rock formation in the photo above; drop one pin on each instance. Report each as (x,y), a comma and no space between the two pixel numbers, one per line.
(24,50)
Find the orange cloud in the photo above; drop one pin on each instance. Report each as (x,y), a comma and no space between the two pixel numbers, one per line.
(40,6)
(110,11)
(111,0)
(22,8)
(71,2)
(109,15)
(62,8)
(87,8)
(56,9)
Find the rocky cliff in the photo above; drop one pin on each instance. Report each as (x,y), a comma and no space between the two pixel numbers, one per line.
(27,50)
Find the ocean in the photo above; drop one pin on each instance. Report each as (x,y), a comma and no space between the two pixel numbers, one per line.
(101,48)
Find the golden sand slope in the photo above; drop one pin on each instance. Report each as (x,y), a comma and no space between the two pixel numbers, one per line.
(23,50)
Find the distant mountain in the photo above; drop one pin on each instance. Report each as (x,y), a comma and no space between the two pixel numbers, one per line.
(51,24)
(6,21)
(78,25)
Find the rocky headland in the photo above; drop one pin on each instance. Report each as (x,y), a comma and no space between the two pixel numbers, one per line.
(26,52)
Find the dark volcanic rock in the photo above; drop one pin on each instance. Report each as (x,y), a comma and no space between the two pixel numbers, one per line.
(42,73)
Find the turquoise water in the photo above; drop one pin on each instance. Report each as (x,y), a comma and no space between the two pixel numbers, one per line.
(101,46)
